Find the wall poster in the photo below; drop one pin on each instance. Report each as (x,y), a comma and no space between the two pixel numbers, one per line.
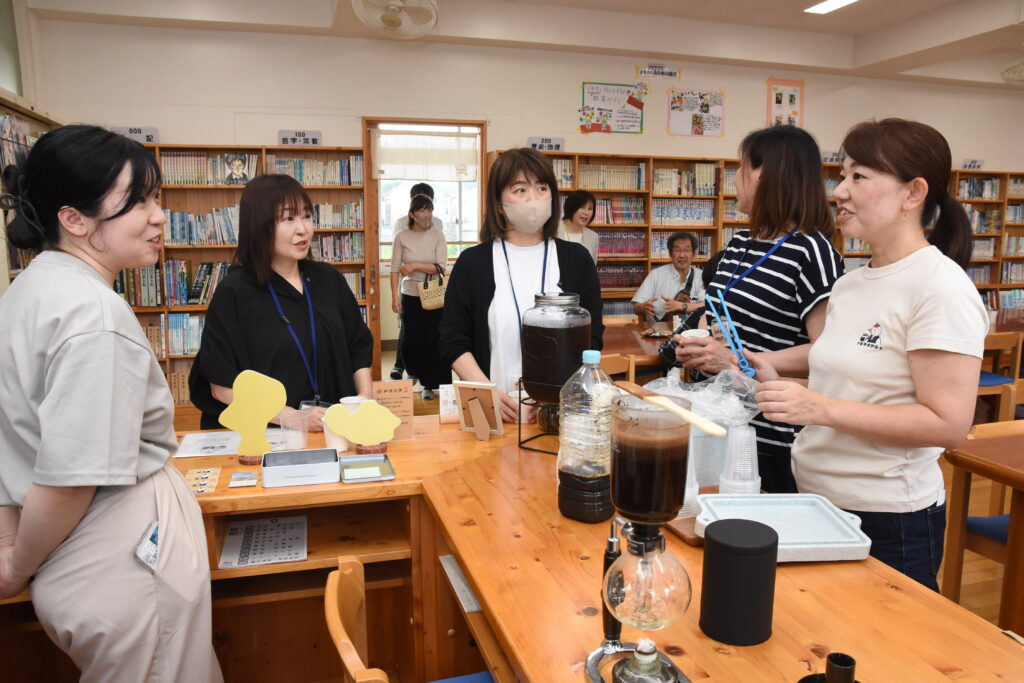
(612,108)
(785,102)
(699,113)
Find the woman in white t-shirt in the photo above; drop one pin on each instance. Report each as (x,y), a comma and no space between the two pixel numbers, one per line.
(894,374)
(419,251)
(577,214)
(91,509)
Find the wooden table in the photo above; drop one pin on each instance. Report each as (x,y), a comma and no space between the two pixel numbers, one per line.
(537,576)
(628,340)
(1000,459)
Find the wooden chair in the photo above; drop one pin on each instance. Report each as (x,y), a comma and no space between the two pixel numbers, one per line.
(617,364)
(983,535)
(1002,354)
(345,609)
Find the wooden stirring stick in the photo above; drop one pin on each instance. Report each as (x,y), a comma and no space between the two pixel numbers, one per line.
(664,402)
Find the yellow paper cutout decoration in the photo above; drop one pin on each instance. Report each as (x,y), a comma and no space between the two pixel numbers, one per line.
(371,423)
(257,400)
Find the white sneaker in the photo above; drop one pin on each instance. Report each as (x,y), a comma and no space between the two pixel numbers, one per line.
(429,394)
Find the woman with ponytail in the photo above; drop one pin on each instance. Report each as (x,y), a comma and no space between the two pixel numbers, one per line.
(91,510)
(894,374)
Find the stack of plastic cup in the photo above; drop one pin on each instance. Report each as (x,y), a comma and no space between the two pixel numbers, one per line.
(740,474)
(691,508)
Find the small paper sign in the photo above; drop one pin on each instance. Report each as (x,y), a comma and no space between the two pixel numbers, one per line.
(299,138)
(141,134)
(972,164)
(830,157)
(657,71)
(397,397)
(546,144)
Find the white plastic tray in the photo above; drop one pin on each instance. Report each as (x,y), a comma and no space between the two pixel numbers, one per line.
(810,528)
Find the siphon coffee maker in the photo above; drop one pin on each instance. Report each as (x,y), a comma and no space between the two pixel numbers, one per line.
(645,587)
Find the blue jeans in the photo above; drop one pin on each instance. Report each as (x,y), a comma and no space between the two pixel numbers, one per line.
(909,542)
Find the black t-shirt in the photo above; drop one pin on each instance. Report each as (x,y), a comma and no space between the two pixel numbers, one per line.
(244,331)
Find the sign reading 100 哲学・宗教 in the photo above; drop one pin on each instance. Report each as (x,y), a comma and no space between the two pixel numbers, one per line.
(141,134)
(299,138)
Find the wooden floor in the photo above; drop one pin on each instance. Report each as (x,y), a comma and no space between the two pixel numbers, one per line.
(982,577)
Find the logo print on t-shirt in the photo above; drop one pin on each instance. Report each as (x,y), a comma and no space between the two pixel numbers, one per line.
(872,339)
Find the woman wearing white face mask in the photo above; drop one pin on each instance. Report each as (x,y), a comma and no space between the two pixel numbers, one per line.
(493,283)
(418,251)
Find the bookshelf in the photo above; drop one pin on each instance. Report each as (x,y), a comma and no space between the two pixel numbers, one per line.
(699,195)
(200,237)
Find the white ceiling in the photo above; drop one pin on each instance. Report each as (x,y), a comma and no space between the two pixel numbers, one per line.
(860,17)
(965,42)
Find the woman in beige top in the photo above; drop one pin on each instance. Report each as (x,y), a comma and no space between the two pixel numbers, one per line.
(418,251)
(577,214)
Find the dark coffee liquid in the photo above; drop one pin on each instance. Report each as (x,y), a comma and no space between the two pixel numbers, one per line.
(586,499)
(550,356)
(649,476)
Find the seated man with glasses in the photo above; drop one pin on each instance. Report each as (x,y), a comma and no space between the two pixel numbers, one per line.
(674,288)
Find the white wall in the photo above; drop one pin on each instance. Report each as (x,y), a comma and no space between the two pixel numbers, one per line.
(209,87)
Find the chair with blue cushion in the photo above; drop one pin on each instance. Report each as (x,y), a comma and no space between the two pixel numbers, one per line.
(983,535)
(345,609)
(1000,370)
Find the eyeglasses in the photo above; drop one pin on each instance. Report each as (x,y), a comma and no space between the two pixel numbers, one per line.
(681,250)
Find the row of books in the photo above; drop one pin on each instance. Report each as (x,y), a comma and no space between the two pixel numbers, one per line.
(346,171)
(980,275)
(698,182)
(983,249)
(606,177)
(621,244)
(620,211)
(983,221)
(184,332)
(178,381)
(617,308)
(341,247)
(855,246)
(978,188)
(218,227)
(830,186)
(563,173)
(1010,298)
(15,140)
(330,217)
(184,288)
(1015,213)
(659,245)
(1015,188)
(729,181)
(683,212)
(154,329)
(855,262)
(357,283)
(1012,273)
(140,286)
(731,211)
(990,298)
(1013,245)
(206,168)
(620,278)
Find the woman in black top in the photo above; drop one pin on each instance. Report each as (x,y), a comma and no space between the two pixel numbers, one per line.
(259,318)
(493,283)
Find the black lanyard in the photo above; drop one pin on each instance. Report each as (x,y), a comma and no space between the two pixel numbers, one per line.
(310,373)
(543,281)
(733,280)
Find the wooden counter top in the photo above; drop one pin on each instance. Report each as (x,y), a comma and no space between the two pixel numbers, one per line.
(537,576)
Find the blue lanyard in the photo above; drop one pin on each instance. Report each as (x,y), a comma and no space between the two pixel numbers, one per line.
(543,282)
(732,335)
(311,374)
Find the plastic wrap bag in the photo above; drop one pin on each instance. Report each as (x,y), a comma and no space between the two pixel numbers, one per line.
(728,399)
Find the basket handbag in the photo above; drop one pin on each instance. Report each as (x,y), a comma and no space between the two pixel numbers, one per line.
(432,291)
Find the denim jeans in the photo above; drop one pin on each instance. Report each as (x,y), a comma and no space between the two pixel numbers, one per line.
(909,542)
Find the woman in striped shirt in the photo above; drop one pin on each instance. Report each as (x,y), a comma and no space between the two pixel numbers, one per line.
(774,278)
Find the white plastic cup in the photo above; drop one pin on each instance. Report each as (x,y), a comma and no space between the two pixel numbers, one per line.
(694,334)
(740,474)
(293,428)
(352,403)
(519,395)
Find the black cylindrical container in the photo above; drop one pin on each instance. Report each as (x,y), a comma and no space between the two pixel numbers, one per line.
(738,587)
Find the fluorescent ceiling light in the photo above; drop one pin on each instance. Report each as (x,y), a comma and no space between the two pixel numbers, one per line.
(829,6)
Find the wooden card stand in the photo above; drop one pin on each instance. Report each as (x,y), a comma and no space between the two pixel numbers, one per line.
(477,419)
